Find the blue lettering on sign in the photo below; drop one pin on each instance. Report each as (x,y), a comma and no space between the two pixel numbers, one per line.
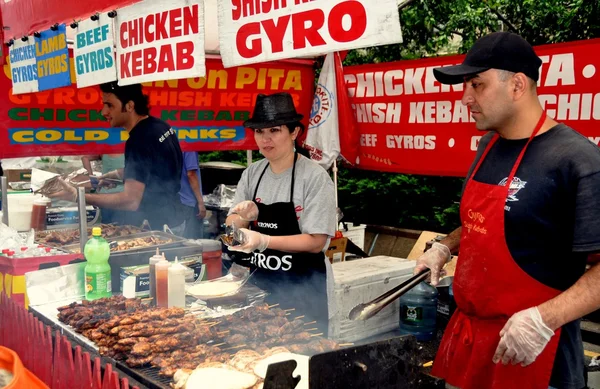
(52,55)
(22,54)
(24,73)
(99,58)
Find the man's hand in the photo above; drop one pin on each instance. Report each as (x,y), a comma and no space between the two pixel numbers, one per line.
(523,338)
(67,192)
(201,211)
(435,258)
(253,241)
(247,210)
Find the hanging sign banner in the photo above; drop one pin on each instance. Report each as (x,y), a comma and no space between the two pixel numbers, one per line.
(52,58)
(23,66)
(160,40)
(259,31)
(93,51)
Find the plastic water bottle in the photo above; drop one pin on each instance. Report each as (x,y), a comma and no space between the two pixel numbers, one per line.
(97,270)
(418,310)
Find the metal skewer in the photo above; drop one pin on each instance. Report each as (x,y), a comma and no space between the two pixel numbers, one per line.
(368,310)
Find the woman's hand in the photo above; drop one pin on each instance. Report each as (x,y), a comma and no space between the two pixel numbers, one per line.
(252,241)
(246,210)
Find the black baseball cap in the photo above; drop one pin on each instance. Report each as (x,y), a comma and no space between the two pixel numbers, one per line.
(498,50)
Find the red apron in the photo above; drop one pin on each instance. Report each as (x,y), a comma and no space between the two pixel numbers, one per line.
(489,287)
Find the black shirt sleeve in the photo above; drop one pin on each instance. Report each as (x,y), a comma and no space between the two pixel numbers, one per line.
(586,237)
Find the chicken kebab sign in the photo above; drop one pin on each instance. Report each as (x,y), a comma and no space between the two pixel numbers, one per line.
(252,31)
(160,40)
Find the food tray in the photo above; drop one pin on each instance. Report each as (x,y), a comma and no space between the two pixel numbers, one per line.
(43,234)
(175,241)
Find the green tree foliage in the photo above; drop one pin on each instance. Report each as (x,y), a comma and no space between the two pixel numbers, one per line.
(437,27)
(432,28)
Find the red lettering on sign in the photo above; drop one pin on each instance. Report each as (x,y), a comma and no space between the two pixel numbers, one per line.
(166,61)
(166,58)
(164,25)
(124,60)
(150,60)
(302,32)
(136,59)
(357,13)
(241,40)
(175,23)
(122,36)
(161,26)
(276,32)
(147,34)
(184,50)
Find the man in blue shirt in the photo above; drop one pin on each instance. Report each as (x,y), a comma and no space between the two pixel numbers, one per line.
(191,196)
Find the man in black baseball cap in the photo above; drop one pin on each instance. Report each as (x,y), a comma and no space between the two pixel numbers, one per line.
(498,50)
(530,219)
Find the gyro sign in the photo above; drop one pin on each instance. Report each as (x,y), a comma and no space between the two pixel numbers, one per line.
(252,31)
(160,40)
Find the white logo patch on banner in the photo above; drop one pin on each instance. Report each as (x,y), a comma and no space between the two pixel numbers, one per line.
(322,138)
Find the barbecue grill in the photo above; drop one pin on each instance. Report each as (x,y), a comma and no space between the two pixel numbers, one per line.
(387,364)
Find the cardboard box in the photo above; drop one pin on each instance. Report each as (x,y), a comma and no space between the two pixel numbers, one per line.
(14,175)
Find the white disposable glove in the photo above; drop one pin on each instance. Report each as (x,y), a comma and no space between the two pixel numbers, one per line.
(435,258)
(523,338)
(253,241)
(247,210)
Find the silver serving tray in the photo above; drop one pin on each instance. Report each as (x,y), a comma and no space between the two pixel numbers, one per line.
(175,241)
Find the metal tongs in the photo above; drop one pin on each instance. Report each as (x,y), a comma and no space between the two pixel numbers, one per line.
(232,236)
(368,310)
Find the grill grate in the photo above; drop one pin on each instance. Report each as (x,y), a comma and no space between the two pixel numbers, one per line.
(147,376)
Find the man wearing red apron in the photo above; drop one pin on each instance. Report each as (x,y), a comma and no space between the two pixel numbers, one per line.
(527,227)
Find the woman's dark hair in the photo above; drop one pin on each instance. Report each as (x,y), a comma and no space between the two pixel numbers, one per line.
(129,93)
(292,126)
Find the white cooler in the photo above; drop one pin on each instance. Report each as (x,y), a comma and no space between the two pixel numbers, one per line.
(360,281)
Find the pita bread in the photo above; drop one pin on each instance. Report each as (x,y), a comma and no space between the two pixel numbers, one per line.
(220,379)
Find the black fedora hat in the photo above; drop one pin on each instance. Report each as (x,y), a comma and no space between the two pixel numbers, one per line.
(273,110)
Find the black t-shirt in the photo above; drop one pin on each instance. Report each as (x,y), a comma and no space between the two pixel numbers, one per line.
(552,219)
(153,156)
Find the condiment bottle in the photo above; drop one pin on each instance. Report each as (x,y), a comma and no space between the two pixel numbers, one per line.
(162,283)
(177,284)
(38,213)
(153,261)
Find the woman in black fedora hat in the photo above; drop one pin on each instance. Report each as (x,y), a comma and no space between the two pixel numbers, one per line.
(285,207)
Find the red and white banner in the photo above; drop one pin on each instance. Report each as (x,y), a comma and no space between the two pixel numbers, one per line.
(160,40)
(258,31)
(332,128)
(409,123)
(207,113)
(322,138)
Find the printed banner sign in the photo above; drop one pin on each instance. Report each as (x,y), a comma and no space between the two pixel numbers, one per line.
(52,58)
(23,66)
(409,123)
(160,40)
(258,31)
(207,113)
(93,51)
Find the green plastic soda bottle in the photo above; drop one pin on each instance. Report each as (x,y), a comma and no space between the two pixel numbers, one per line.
(97,270)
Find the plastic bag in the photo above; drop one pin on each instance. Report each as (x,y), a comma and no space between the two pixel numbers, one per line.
(221,197)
